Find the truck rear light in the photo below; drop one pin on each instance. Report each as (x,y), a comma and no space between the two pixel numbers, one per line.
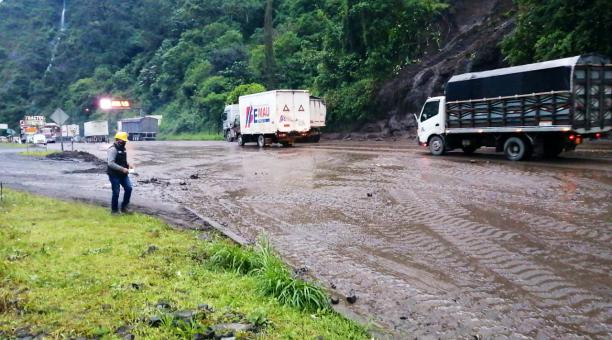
(578,139)
(286,125)
(598,135)
(572,137)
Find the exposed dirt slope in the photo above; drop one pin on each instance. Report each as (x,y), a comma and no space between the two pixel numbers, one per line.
(471,32)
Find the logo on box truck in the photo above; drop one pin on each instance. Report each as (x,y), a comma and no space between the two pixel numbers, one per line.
(257,114)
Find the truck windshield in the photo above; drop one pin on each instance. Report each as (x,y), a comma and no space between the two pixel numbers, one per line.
(430,110)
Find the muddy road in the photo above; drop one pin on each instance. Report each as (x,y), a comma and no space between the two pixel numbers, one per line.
(433,247)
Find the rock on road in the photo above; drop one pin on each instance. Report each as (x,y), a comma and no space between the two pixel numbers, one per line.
(440,247)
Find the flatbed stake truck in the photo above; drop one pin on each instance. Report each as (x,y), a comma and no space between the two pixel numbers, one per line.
(542,108)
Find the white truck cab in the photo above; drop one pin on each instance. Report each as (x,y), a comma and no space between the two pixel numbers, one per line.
(432,120)
(231,122)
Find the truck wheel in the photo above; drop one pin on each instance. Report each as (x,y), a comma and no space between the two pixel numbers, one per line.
(226,136)
(261,141)
(516,149)
(436,145)
(240,140)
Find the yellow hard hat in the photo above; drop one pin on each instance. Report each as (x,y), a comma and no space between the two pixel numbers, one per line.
(122,136)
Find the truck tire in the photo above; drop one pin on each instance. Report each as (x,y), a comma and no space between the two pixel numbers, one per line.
(226,136)
(315,138)
(240,140)
(516,149)
(261,141)
(436,146)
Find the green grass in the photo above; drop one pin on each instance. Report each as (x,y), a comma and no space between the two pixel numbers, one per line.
(11,145)
(191,136)
(273,277)
(41,153)
(69,269)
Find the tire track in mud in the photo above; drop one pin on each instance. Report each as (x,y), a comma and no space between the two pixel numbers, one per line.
(422,248)
(486,245)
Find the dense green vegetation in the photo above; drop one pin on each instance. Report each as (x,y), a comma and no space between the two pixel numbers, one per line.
(185,59)
(70,270)
(559,28)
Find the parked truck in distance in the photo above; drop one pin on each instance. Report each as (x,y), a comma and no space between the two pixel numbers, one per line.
(318,114)
(96,131)
(140,128)
(542,108)
(279,116)
(231,122)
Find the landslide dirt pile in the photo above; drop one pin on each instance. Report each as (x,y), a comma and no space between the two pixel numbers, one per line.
(76,156)
(471,32)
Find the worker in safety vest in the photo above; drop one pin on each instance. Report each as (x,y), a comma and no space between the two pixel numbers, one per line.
(118,169)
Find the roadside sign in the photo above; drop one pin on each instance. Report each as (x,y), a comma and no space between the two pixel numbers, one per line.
(70,130)
(59,116)
(114,104)
(3,126)
(34,121)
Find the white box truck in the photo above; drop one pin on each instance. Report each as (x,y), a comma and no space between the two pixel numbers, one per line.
(318,114)
(95,131)
(542,108)
(279,116)
(231,122)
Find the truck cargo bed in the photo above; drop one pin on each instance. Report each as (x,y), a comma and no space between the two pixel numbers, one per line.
(579,97)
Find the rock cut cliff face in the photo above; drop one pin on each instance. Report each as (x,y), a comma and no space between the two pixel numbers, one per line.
(471,32)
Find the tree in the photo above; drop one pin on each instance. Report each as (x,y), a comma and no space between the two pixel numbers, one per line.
(559,28)
(269,64)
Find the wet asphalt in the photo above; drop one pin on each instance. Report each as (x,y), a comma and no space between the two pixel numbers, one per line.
(431,247)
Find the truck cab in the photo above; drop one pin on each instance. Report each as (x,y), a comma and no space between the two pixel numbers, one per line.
(231,122)
(431,122)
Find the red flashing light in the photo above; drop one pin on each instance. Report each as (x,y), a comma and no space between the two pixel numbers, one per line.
(572,137)
(598,135)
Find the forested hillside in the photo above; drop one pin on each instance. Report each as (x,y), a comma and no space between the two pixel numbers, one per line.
(186,58)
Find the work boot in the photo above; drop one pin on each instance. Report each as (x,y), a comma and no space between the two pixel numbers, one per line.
(114,212)
(126,210)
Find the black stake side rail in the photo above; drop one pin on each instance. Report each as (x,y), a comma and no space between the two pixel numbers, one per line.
(588,106)
(538,109)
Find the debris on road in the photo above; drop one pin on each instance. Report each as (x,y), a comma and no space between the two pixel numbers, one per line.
(351,298)
(76,156)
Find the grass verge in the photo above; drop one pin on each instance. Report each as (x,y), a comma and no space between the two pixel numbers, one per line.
(191,136)
(11,146)
(273,277)
(68,269)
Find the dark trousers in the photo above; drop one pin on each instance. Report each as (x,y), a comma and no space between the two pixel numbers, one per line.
(124,181)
